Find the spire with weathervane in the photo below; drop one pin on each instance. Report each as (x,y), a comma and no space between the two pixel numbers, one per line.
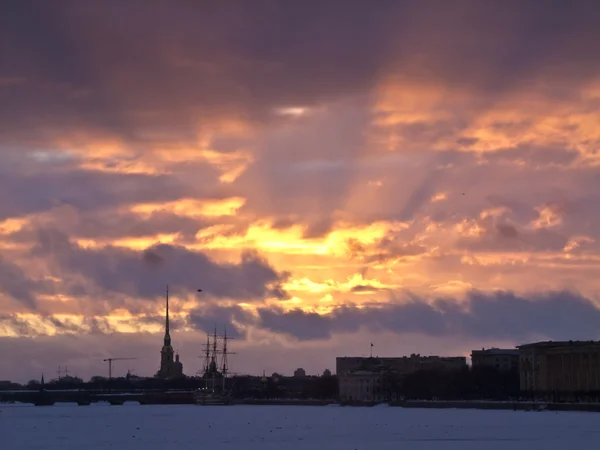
(168,367)
(167,334)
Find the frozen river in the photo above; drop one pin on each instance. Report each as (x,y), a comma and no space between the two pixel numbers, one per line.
(133,427)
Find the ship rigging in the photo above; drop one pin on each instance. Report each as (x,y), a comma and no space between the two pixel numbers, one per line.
(215,370)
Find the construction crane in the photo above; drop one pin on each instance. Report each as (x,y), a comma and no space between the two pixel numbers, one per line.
(110,361)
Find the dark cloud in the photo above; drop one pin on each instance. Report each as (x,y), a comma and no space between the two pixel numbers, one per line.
(116,225)
(74,65)
(70,68)
(499,315)
(318,228)
(125,271)
(297,323)
(106,224)
(157,319)
(195,60)
(366,288)
(153,259)
(393,245)
(507,231)
(534,157)
(25,190)
(505,237)
(223,319)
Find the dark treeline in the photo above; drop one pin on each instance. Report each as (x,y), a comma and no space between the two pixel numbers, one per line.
(120,383)
(277,386)
(468,384)
(322,387)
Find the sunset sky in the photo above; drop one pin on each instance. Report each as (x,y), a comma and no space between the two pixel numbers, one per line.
(422,175)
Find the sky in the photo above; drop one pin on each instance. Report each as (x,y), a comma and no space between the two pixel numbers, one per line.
(422,176)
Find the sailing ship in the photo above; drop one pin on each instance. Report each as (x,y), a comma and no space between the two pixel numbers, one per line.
(215,389)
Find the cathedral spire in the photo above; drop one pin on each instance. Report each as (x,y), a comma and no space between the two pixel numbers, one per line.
(167,334)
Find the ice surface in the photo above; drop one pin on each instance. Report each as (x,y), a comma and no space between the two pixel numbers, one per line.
(133,427)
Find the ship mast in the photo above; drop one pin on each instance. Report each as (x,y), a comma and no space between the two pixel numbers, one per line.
(213,364)
(207,360)
(225,367)
(216,364)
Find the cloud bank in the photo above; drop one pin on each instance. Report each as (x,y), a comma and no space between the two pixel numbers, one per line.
(306,166)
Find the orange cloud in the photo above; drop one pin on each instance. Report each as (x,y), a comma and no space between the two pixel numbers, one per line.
(550,215)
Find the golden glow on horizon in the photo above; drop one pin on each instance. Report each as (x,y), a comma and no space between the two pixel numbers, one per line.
(121,322)
(12,225)
(293,111)
(133,243)
(262,236)
(439,197)
(192,207)
(452,287)
(355,283)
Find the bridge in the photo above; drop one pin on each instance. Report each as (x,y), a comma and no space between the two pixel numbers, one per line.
(87,397)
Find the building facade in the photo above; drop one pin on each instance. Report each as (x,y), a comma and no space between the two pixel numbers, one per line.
(362,386)
(401,365)
(504,360)
(169,368)
(362,380)
(560,370)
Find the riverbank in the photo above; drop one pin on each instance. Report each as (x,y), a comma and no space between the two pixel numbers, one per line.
(174,398)
(517,406)
(284,402)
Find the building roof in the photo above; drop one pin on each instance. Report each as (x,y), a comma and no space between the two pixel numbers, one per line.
(413,356)
(553,344)
(359,373)
(496,351)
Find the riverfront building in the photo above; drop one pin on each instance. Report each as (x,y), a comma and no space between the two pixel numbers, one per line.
(563,370)
(362,379)
(501,359)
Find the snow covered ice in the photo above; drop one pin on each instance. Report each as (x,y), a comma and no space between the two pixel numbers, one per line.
(133,427)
